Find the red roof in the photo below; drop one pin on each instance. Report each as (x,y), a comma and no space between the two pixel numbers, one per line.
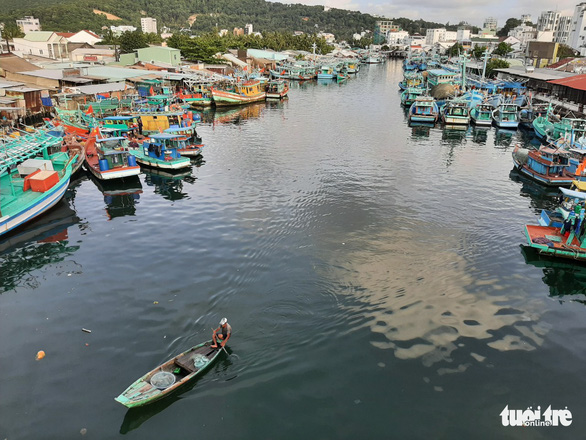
(577,82)
(560,63)
(65,34)
(91,33)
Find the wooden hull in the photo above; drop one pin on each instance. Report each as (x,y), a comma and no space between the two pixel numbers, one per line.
(553,243)
(225,99)
(36,205)
(194,151)
(175,164)
(141,392)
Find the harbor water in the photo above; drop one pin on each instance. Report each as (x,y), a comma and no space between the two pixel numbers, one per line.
(372,273)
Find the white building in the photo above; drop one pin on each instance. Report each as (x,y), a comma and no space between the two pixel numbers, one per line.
(397,38)
(330,38)
(450,36)
(562,33)
(415,40)
(548,21)
(29,24)
(463,35)
(523,33)
(526,18)
(119,30)
(432,36)
(84,37)
(148,25)
(490,24)
(578,28)
(41,43)
(248,29)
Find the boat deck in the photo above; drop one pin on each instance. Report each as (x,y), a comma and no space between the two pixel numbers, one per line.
(549,240)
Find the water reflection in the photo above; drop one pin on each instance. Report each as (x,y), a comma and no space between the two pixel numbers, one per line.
(541,197)
(233,115)
(420,130)
(40,242)
(120,196)
(480,135)
(503,137)
(422,297)
(168,184)
(566,279)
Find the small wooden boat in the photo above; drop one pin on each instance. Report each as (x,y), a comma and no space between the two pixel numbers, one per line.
(162,151)
(239,93)
(108,158)
(188,143)
(506,116)
(456,113)
(548,166)
(29,185)
(481,115)
(424,109)
(277,89)
(169,376)
(409,95)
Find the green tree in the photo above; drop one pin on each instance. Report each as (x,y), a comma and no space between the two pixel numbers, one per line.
(478,51)
(503,49)
(456,49)
(130,41)
(510,24)
(565,51)
(494,64)
(11,31)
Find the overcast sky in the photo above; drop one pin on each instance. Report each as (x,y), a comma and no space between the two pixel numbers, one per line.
(452,11)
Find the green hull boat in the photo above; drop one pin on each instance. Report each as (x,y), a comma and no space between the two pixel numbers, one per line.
(169,376)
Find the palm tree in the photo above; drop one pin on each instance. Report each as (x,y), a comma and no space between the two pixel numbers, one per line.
(9,32)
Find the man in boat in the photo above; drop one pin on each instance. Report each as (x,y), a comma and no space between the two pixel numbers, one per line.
(222,333)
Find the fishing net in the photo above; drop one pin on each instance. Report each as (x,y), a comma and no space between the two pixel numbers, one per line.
(199,361)
(163,380)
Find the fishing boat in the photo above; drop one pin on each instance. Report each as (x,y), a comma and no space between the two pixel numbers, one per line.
(411,79)
(409,95)
(75,121)
(506,115)
(277,89)
(424,109)
(107,158)
(200,97)
(548,166)
(31,180)
(161,151)
(341,76)
(455,113)
(166,378)
(543,125)
(352,66)
(239,93)
(188,143)
(325,72)
(481,115)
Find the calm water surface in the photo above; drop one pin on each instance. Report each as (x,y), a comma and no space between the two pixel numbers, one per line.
(372,273)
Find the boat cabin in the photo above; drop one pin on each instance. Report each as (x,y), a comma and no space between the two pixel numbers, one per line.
(163,146)
(112,153)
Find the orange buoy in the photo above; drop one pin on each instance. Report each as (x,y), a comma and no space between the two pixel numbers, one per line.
(40,355)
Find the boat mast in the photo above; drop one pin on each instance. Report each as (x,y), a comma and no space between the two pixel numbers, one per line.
(485,58)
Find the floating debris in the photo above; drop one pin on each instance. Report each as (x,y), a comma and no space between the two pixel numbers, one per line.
(40,355)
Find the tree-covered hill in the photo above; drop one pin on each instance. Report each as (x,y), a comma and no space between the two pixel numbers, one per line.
(74,15)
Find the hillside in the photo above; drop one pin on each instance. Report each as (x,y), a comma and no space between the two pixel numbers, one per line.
(74,15)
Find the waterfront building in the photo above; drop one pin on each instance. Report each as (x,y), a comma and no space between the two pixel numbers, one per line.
(29,24)
(397,38)
(148,25)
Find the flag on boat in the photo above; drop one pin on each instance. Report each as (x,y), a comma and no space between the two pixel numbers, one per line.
(152,91)
(90,110)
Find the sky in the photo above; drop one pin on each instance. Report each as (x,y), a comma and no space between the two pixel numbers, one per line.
(452,11)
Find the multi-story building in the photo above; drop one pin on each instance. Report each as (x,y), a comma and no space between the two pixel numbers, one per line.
(463,34)
(29,24)
(548,21)
(490,24)
(248,29)
(577,39)
(432,36)
(148,25)
(523,33)
(562,33)
(397,38)
(525,18)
